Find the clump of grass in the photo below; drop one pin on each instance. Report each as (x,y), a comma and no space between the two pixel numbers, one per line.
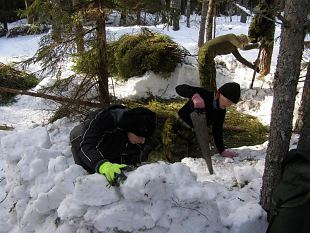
(243,129)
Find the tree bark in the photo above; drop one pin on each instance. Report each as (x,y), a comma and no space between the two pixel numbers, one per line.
(175,6)
(202,23)
(138,14)
(51,97)
(188,13)
(79,31)
(264,65)
(102,69)
(304,137)
(210,15)
(285,89)
(244,15)
(301,110)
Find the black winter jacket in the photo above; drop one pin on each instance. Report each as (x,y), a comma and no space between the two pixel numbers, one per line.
(101,139)
(215,117)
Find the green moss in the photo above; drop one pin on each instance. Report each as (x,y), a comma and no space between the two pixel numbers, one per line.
(243,130)
(12,78)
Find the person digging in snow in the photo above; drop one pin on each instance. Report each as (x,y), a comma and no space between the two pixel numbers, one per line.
(221,45)
(110,139)
(214,104)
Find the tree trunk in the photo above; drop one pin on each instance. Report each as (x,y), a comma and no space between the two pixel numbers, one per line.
(285,85)
(214,22)
(138,14)
(102,69)
(304,137)
(301,110)
(264,65)
(166,6)
(202,23)
(79,32)
(56,26)
(175,6)
(30,18)
(244,15)
(188,13)
(123,20)
(210,15)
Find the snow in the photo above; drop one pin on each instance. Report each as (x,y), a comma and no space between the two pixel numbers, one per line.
(43,191)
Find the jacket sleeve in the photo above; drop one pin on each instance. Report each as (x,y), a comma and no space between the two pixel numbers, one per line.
(188,91)
(217,131)
(95,131)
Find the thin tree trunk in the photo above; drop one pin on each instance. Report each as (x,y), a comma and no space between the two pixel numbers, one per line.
(175,6)
(304,137)
(103,77)
(123,20)
(138,17)
(244,15)
(202,28)
(79,31)
(56,27)
(210,15)
(301,110)
(188,13)
(265,63)
(285,88)
(214,22)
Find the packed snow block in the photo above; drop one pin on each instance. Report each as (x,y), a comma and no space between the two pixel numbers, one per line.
(14,144)
(69,208)
(36,160)
(245,174)
(247,218)
(160,184)
(56,165)
(52,225)
(94,190)
(64,185)
(124,216)
(30,218)
(46,202)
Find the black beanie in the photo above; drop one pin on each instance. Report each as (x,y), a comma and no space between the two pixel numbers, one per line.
(231,91)
(140,121)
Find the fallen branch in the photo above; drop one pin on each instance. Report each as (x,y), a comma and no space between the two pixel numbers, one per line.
(5,127)
(51,97)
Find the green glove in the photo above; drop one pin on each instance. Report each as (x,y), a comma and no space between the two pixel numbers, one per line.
(110,169)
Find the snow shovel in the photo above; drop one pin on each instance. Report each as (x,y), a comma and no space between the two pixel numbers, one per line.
(201,131)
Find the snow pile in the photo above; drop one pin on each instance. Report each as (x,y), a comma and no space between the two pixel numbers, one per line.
(49,193)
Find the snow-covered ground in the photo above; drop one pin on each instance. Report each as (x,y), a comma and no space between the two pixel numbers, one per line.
(42,190)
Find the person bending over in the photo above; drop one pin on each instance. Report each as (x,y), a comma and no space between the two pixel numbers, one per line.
(109,139)
(214,103)
(221,45)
